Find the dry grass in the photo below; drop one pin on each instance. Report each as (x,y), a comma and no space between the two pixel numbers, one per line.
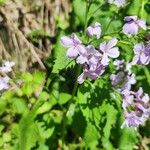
(18,19)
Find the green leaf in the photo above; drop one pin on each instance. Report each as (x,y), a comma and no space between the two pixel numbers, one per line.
(128,139)
(64,98)
(19,105)
(80,5)
(95,102)
(61,61)
(29,133)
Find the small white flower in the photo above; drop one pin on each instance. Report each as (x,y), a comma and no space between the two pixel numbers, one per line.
(7,67)
(4,83)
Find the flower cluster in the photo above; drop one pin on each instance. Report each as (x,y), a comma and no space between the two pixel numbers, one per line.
(118,3)
(133,25)
(4,80)
(142,54)
(93,60)
(135,104)
(124,78)
(136,108)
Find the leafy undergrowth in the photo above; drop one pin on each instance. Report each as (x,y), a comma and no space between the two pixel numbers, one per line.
(50,111)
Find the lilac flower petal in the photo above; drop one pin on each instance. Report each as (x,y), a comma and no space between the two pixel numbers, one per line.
(142,24)
(81,49)
(4,83)
(81,59)
(143,58)
(113,52)
(139,93)
(81,78)
(138,48)
(67,41)
(130,29)
(130,18)
(94,30)
(135,59)
(76,40)
(112,43)
(102,47)
(105,60)
(119,3)
(146,98)
(72,52)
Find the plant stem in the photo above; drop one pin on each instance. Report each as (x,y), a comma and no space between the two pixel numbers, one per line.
(76,83)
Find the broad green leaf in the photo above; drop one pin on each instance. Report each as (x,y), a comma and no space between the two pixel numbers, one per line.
(61,61)
(79,7)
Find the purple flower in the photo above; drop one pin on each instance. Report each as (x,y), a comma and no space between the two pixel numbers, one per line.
(119,64)
(118,3)
(92,74)
(7,67)
(127,98)
(132,120)
(117,79)
(147,52)
(140,55)
(109,50)
(94,30)
(124,78)
(133,25)
(74,44)
(122,81)
(136,106)
(90,54)
(91,63)
(4,83)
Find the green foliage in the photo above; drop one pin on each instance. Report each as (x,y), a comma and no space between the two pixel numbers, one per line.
(81,15)
(61,61)
(50,111)
(2,2)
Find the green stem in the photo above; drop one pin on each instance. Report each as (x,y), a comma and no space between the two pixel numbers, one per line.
(142,8)
(76,83)
(147,73)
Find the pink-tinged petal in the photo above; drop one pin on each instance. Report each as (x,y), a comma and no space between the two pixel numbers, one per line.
(112,43)
(76,40)
(89,31)
(105,60)
(119,3)
(81,49)
(91,50)
(113,52)
(139,92)
(142,24)
(130,29)
(67,41)
(81,59)
(138,48)
(146,98)
(72,52)
(130,18)
(103,47)
(131,79)
(81,78)
(135,59)
(143,58)
(94,30)
(97,30)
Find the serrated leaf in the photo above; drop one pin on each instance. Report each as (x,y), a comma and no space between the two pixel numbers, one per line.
(128,139)
(61,61)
